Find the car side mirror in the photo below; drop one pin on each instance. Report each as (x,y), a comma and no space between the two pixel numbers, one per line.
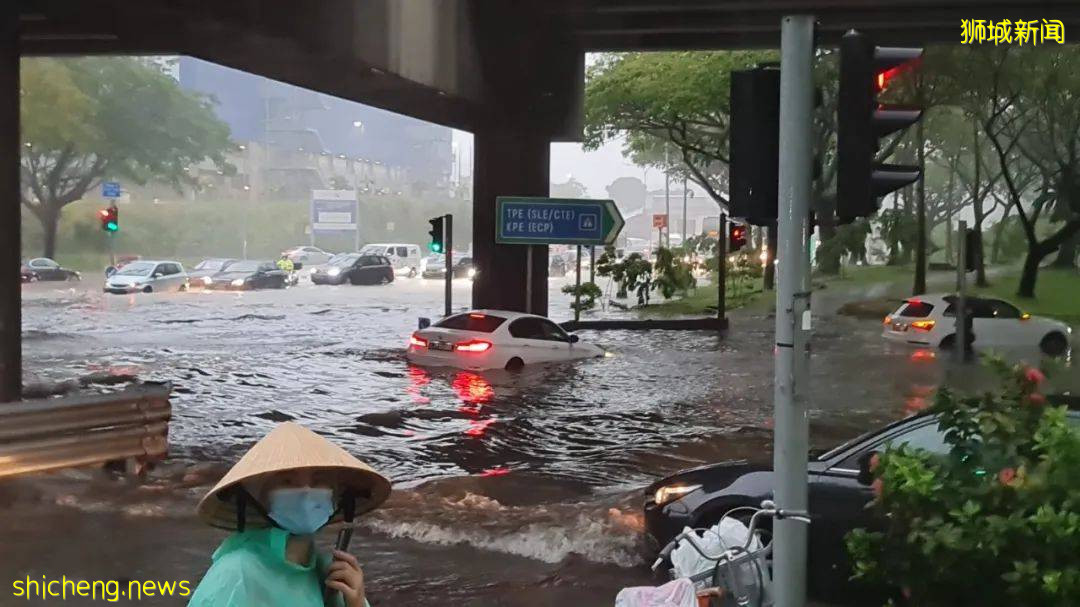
(866,475)
(574,339)
(157,275)
(423,323)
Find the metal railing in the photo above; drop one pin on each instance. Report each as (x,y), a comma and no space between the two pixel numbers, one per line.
(85,429)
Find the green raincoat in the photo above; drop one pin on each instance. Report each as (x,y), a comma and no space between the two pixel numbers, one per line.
(250,570)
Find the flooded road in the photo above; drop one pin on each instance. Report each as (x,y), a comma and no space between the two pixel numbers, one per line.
(510,488)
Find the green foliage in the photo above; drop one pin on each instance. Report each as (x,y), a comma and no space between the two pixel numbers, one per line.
(632,273)
(849,239)
(674,272)
(589,293)
(899,230)
(996,522)
(91,118)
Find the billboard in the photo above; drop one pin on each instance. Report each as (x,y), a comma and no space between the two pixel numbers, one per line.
(334,212)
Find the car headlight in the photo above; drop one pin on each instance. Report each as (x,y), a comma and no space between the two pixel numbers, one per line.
(207,280)
(239,282)
(334,271)
(673,492)
(472,272)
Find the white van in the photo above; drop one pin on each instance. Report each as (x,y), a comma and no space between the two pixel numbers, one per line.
(404,257)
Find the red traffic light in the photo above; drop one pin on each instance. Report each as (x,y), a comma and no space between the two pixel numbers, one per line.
(110,219)
(736,238)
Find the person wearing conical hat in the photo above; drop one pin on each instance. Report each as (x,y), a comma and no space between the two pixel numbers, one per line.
(292,483)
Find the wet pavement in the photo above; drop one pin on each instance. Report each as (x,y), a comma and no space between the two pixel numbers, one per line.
(511,488)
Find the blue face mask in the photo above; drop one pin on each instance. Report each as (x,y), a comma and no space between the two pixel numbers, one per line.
(301,510)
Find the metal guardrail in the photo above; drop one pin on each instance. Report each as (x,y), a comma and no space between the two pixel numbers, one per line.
(80,429)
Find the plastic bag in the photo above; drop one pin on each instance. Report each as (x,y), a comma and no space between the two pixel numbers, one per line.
(751,577)
(678,593)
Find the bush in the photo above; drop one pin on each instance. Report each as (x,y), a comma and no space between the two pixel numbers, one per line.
(589,292)
(996,522)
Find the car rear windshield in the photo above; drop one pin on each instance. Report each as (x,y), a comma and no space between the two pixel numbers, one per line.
(482,323)
(915,309)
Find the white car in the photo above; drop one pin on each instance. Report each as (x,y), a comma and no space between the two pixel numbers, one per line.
(148,277)
(930,321)
(307,255)
(405,258)
(495,339)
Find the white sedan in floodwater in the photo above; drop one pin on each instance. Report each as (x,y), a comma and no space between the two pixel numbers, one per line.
(495,339)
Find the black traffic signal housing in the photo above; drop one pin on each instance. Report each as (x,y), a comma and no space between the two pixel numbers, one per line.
(736,237)
(437,245)
(755,144)
(865,71)
(110,219)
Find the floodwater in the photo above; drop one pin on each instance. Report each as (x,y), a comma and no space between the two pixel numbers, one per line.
(510,488)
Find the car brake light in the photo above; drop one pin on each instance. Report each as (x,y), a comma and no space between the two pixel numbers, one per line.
(475,315)
(923,325)
(418,342)
(475,345)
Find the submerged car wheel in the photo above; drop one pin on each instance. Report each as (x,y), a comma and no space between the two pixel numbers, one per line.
(514,364)
(412,273)
(948,343)
(1054,344)
(148,289)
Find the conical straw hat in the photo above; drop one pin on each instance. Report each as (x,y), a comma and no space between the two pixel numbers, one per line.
(288,447)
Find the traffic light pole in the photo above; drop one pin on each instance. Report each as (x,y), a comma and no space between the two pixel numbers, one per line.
(448,242)
(721,268)
(790,439)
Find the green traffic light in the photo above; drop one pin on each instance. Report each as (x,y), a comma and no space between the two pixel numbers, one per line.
(435,247)
(111,226)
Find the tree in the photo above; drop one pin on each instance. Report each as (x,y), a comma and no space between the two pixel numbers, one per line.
(1025,102)
(571,188)
(87,119)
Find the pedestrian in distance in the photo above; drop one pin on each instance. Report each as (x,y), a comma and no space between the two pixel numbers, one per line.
(291,484)
(285,264)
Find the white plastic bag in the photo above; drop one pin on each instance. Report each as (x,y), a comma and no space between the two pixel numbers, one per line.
(677,593)
(728,533)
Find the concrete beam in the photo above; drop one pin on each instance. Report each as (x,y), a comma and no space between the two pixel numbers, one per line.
(10,195)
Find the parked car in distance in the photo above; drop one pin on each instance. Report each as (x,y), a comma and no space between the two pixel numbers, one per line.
(930,321)
(404,257)
(200,275)
(495,339)
(307,255)
(147,277)
(463,268)
(839,490)
(247,275)
(43,268)
(354,268)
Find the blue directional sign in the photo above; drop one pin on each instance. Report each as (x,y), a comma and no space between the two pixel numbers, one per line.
(526,220)
(110,189)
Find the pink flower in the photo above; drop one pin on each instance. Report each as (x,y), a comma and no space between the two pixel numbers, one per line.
(1036,399)
(877,487)
(875,461)
(1006,476)
(1033,375)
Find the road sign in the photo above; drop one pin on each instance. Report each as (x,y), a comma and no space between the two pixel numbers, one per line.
(110,189)
(659,220)
(334,211)
(525,220)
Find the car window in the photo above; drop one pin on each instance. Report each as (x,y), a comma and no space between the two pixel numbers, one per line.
(925,436)
(138,268)
(553,331)
(44,263)
(402,251)
(267,267)
(527,328)
(1001,309)
(482,323)
(915,309)
(384,261)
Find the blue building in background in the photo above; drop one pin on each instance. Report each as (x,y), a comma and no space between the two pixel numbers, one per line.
(290,122)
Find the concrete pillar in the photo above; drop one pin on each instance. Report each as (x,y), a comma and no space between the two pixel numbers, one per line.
(11,293)
(507,162)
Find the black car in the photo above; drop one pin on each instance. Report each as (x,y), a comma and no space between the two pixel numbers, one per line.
(43,268)
(839,490)
(248,274)
(354,268)
(463,268)
(203,273)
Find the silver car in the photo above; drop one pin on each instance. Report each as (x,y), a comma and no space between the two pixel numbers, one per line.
(148,277)
(307,255)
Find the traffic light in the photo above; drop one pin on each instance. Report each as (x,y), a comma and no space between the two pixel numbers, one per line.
(436,232)
(755,144)
(865,71)
(736,237)
(110,219)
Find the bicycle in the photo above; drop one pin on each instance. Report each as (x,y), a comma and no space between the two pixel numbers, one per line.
(725,578)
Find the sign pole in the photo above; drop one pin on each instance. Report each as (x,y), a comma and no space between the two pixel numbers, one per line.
(790,439)
(448,241)
(528,278)
(721,268)
(112,251)
(960,345)
(592,264)
(577,287)
(356,231)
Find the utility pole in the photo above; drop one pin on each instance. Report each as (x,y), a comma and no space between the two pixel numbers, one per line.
(577,287)
(790,439)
